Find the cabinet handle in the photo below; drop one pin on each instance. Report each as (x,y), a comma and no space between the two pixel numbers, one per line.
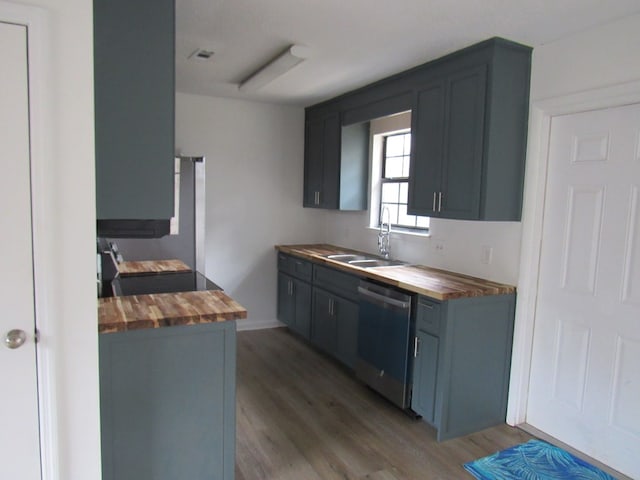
(290,288)
(434,202)
(427,305)
(416,342)
(316,198)
(439,201)
(330,307)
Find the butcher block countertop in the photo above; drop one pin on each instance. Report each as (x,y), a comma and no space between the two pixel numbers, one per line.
(119,314)
(152,266)
(431,282)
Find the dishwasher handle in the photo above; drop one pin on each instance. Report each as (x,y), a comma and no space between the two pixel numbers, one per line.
(365,292)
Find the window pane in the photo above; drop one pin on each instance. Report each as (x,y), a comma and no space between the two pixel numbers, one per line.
(404,193)
(405,166)
(405,219)
(395,145)
(393,167)
(393,212)
(407,143)
(422,222)
(390,192)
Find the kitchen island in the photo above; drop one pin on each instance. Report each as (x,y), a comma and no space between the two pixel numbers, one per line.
(167,385)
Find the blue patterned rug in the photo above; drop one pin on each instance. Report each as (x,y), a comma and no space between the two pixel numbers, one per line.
(534,460)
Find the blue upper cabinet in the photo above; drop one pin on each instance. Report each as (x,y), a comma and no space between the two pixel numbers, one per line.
(134,67)
(470,130)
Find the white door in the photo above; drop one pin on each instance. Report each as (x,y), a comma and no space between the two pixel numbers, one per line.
(585,374)
(19,437)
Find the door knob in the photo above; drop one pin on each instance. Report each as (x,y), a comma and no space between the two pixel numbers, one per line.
(15,339)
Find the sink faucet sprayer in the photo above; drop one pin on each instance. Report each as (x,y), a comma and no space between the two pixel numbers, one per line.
(384,244)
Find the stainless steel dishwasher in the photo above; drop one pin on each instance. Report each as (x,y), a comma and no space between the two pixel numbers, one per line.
(385,330)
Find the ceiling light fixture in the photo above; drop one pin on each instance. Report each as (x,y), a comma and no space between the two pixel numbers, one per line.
(281,64)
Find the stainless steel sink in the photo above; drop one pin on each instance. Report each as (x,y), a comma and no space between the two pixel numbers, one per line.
(376,262)
(347,257)
(364,261)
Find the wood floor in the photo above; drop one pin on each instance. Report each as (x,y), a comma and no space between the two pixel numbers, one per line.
(301,416)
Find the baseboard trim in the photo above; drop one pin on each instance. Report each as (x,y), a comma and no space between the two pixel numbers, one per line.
(257,324)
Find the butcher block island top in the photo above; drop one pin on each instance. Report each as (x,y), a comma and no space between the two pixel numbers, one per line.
(135,312)
(152,266)
(431,282)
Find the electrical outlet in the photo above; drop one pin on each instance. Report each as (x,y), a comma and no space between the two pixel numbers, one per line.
(486,255)
(438,246)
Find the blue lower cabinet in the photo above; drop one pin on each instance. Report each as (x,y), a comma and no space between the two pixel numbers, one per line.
(462,362)
(335,326)
(167,401)
(294,304)
(425,369)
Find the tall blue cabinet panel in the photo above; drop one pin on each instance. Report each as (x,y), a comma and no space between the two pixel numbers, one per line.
(134,70)
(167,402)
(462,362)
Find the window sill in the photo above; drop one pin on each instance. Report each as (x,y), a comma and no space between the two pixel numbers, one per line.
(410,233)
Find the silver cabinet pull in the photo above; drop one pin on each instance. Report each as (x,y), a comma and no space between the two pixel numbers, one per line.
(434,201)
(316,198)
(439,201)
(15,339)
(416,342)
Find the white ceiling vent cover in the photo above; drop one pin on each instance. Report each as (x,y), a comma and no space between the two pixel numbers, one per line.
(201,55)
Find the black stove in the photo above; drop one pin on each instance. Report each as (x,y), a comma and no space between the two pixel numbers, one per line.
(161,283)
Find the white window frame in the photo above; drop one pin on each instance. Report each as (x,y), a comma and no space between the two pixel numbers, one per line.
(379,129)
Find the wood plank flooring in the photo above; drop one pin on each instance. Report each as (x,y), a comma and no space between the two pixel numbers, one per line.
(302,416)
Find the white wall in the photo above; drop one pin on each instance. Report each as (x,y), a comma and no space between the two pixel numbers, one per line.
(595,58)
(69,335)
(462,244)
(254,173)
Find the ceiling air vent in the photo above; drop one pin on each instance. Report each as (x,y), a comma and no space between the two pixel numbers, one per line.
(201,55)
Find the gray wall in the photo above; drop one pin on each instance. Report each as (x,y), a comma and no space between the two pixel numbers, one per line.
(254,178)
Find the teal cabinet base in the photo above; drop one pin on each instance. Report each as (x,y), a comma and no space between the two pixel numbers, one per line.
(167,402)
(462,364)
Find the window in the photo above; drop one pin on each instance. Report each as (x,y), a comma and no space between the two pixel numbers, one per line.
(394,182)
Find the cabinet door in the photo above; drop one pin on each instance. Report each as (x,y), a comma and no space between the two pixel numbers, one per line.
(322,162)
(329,197)
(425,371)
(302,308)
(324,328)
(347,331)
(286,304)
(313,164)
(461,178)
(427,128)
(134,70)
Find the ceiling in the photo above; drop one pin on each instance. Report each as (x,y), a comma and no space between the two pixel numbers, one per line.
(355,42)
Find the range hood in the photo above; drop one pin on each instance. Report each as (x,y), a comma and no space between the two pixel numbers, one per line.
(127,228)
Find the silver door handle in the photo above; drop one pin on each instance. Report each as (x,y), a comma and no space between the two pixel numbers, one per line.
(416,341)
(439,201)
(15,339)
(434,201)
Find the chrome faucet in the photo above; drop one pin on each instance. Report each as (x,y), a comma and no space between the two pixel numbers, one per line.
(384,243)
